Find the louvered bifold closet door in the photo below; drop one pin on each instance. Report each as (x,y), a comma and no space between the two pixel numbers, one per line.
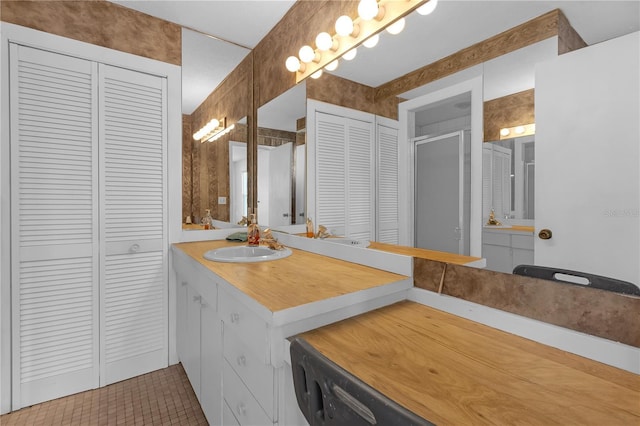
(134,267)
(360,180)
(331,137)
(54,233)
(388,184)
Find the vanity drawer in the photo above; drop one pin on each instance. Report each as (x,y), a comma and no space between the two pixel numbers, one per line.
(228,419)
(244,406)
(244,324)
(251,368)
(522,241)
(498,238)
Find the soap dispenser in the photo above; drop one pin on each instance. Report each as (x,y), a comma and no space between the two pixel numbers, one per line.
(207,220)
(253,232)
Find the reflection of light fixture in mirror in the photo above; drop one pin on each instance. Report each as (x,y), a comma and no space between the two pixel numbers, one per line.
(207,129)
(332,66)
(350,54)
(223,131)
(428,8)
(317,74)
(517,131)
(371,41)
(369,9)
(396,27)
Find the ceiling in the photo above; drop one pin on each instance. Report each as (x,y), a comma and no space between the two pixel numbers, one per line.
(454,25)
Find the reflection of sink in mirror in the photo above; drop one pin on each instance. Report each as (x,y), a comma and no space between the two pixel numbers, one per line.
(246,254)
(349,242)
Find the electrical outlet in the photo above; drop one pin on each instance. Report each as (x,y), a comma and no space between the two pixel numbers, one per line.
(222,200)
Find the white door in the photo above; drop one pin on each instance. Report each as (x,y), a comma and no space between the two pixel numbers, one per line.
(280,160)
(134,271)
(54,226)
(301,183)
(439,186)
(587,180)
(264,183)
(387,188)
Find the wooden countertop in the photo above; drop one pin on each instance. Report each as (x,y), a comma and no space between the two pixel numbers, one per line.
(519,228)
(296,280)
(450,370)
(440,256)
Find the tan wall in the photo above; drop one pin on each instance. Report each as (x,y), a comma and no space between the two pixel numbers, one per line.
(508,111)
(101,23)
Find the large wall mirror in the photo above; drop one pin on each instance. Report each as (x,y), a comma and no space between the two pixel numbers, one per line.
(282,159)
(214,173)
(503,76)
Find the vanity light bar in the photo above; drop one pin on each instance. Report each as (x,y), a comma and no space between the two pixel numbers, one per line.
(517,131)
(221,133)
(387,13)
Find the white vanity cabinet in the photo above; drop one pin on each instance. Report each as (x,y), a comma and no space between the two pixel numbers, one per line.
(199,337)
(234,349)
(505,249)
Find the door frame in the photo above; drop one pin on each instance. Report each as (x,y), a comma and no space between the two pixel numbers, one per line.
(424,140)
(406,154)
(66,46)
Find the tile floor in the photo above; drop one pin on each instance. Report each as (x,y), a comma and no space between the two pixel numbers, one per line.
(163,397)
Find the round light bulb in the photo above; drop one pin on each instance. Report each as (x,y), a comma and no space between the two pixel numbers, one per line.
(367,9)
(324,41)
(519,130)
(428,8)
(306,54)
(292,63)
(396,27)
(317,74)
(371,41)
(332,66)
(344,26)
(504,132)
(214,123)
(350,54)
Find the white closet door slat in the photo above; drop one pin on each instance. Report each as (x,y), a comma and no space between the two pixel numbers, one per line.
(360,204)
(388,184)
(331,172)
(54,231)
(134,282)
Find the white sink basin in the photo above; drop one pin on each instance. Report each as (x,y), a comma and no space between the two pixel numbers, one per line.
(349,242)
(245,254)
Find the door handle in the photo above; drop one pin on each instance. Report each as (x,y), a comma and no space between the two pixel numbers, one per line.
(545,234)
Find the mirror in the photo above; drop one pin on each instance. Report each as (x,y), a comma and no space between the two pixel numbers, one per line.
(508,179)
(281,159)
(209,182)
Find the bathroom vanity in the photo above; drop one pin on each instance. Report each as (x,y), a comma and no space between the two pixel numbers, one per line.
(233,318)
(234,322)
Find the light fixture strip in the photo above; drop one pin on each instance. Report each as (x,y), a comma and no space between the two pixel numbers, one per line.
(517,131)
(393,10)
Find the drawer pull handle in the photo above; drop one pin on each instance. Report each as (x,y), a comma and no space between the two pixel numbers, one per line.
(242,361)
(235,318)
(197,298)
(241,409)
(183,283)
(134,248)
